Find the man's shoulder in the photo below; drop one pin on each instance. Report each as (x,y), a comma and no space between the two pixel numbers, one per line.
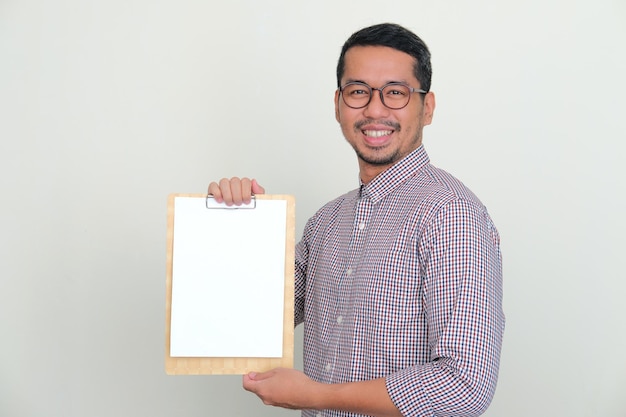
(438,185)
(330,213)
(335,205)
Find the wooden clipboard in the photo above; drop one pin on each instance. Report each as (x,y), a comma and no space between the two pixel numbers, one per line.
(224,363)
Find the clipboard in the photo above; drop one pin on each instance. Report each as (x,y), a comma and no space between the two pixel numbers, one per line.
(213,292)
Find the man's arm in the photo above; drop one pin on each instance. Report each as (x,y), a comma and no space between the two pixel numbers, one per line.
(462,298)
(289,388)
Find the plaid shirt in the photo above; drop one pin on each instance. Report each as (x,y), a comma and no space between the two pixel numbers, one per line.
(402,279)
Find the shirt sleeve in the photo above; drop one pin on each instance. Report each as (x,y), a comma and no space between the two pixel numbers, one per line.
(462,297)
(301,262)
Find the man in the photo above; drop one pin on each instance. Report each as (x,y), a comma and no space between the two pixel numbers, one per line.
(399,282)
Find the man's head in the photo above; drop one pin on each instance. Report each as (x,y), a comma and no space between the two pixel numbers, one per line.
(396,37)
(382,102)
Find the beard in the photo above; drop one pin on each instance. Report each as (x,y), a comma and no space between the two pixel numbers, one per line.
(378,160)
(380,156)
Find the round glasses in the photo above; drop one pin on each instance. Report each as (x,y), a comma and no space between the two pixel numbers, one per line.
(393,95)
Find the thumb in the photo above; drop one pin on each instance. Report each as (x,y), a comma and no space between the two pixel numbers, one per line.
(256,188)
(260,376)
(251,379)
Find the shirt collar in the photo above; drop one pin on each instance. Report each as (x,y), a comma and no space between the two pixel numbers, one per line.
(388,180)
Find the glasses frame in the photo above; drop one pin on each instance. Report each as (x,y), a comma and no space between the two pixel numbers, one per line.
(380,92)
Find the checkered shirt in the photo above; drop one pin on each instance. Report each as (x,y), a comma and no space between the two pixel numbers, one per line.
(402,279)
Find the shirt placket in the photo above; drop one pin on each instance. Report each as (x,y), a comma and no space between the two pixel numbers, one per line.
(344,317)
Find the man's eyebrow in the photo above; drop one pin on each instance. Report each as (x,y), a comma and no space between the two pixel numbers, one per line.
(353,80)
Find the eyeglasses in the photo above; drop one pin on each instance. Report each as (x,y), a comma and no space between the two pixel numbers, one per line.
(393,95)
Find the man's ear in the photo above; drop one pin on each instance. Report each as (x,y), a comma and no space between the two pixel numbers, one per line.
(429,107)
(337,105)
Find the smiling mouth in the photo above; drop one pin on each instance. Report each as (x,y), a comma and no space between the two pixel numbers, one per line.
(377,133)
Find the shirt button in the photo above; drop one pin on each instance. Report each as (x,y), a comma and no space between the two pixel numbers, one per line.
(361,225)
(339,319)
(318,415)
(328,367)
(349,271)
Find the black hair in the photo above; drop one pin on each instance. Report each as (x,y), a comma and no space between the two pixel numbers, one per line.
(396,37)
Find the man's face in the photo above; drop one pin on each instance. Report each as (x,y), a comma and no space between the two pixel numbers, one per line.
(381,136)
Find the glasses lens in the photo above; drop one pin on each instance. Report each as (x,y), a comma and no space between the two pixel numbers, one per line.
(356,95)
(396,96)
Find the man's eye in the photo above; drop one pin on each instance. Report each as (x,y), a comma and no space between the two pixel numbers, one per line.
(394,92)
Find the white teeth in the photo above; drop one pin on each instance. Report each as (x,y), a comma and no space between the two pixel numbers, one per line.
(377,133)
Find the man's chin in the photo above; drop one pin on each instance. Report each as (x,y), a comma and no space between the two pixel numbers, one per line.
(374,159)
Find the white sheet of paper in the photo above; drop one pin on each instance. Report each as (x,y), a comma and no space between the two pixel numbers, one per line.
(228,280)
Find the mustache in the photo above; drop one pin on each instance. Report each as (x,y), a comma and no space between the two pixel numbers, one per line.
(360,123)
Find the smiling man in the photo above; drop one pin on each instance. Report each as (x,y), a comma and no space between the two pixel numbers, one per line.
(383,123)
(398,282)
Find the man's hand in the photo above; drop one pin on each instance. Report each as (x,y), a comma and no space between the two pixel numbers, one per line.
(289,388)
(282,387)
(235,190)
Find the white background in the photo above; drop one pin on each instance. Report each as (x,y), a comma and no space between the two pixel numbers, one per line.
(106,107)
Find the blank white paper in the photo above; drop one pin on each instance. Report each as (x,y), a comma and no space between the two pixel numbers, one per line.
(228,280)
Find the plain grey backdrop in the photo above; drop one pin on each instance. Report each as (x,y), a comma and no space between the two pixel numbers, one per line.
(106,107)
